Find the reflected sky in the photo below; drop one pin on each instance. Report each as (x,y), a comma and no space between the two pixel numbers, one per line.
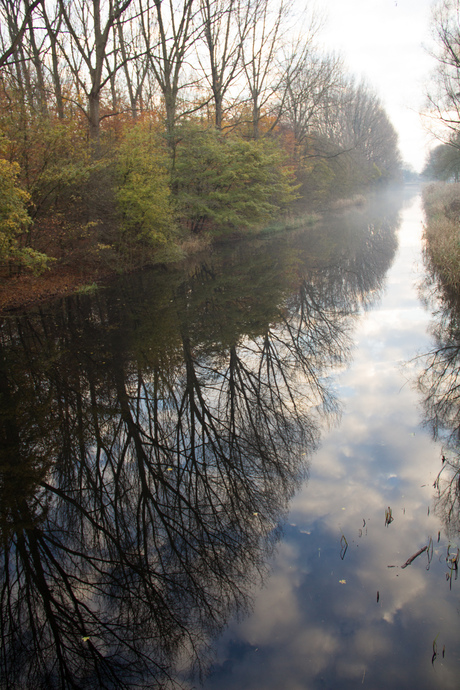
(339,611)
(151,438)
(155,439)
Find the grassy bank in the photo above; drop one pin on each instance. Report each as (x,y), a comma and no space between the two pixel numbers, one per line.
(442,231)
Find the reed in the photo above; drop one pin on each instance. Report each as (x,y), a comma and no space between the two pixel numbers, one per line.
(442,231)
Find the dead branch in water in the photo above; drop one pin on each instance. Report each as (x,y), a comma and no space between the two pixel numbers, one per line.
(412,558)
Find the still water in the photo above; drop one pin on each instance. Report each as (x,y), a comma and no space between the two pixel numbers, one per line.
(216,475)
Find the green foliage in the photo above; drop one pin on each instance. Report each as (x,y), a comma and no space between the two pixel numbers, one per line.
(327,174)
(226,184)
(14,219)
(318,179)
(142,192)
(66,187)
(13,213)
(444,162)
(54,157)
(87,289)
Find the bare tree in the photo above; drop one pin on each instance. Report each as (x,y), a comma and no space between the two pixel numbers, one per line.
(176,34)
(90,26)
(309,84)
(366,128)
(134,36)
(261,30)
(444,95)
(53,26)
(15,32)
(223,38)
(16,35)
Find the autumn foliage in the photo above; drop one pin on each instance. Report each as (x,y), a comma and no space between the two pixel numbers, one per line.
(129,128)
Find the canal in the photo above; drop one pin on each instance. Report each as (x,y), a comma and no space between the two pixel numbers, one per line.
(240,472)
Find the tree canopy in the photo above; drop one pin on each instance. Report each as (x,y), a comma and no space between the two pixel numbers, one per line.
(138,122)
(444,93)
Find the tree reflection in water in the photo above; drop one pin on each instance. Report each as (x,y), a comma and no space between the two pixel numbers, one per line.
(440,386)
(152,436)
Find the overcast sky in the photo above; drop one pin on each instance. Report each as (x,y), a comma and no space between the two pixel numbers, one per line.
(383,41)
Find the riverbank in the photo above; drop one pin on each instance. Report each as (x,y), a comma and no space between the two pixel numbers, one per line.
(25,290)
(441,202)
(61,279)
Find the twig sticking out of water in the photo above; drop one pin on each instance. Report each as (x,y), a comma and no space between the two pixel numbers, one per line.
(452,560)
(388,516)
(429,553)
(344,546)
(435,649)
(412,558)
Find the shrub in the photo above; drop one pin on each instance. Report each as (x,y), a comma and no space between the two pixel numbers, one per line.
(228,184)
(142,190)
(14,219)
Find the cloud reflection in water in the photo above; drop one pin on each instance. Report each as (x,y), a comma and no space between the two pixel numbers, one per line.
(323,622)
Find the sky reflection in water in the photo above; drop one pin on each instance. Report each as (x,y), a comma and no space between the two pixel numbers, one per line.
(154,436)
(332,620)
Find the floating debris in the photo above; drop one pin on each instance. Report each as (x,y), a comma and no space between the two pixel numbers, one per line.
(378,596)
(429,553)
(452,560)
(435,649)
(343,546)
(388,516)
(416,555)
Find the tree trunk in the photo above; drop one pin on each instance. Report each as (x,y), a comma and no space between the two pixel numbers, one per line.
(94,118)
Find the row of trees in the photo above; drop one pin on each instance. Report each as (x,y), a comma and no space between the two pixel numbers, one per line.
(142,113)
(443,162)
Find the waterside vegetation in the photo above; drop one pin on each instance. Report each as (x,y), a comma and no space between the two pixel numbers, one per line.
(131,133)
(441,198)
(442,232)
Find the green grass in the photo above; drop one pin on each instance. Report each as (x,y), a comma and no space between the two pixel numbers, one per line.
(292,224)
(87,289)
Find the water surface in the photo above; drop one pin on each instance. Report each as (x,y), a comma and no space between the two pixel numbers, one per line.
(340,610)
(216,471)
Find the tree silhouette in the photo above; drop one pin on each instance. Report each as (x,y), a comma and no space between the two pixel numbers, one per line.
(152,436)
